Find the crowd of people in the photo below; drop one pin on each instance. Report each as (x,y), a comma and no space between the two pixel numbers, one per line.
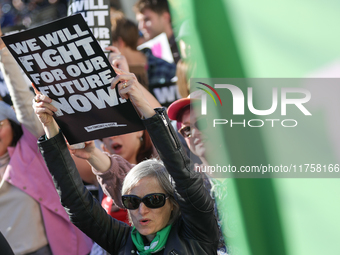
(21,14)
(151,198)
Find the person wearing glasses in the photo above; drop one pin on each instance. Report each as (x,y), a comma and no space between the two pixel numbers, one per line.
(179,111)
(170,210)
(195,138)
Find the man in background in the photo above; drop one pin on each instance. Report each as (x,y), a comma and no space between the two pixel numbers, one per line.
(154,18)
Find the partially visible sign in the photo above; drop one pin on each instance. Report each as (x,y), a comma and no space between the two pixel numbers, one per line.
(66,63)
(96,13)
(160,47)
(165,93)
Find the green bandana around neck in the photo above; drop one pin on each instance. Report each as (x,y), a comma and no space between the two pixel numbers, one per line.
(157,243)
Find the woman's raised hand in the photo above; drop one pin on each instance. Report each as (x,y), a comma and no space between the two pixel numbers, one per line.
(44,110)
(117,59)
(86,152)
(130,88)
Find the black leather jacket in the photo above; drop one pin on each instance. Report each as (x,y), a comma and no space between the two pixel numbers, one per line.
(196,230)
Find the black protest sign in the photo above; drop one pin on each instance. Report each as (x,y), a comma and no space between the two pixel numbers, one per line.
(165,93)
(66,63)
(96,13)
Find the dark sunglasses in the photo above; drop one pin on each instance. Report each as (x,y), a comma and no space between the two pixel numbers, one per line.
(200,124)
(154,200)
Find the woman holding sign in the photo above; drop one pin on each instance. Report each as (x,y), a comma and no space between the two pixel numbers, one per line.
(32,219)
(166,214)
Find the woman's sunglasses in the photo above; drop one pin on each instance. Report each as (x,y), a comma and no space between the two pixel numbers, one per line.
(154,200)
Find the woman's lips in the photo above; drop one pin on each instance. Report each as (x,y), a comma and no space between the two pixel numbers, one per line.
(144,222)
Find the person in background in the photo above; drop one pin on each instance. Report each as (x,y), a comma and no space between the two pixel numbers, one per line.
(32,219)
(180,112)
(125,38)
(186,65)
(183,78)
(154,18)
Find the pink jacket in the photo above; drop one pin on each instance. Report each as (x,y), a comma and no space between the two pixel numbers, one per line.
(28,172)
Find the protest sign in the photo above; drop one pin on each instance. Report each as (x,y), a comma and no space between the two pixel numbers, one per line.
(96,13)
(165,93)
(66,63)
(160,47)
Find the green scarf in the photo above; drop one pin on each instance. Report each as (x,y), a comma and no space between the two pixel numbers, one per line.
(157,243)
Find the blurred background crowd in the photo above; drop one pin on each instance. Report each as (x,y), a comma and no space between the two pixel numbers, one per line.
(24,14)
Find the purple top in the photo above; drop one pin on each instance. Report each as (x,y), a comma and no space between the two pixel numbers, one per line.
(111,181)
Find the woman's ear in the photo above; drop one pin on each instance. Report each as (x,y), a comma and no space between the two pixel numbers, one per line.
(140,134)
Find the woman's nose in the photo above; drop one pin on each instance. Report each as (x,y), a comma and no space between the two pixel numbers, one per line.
(143,209)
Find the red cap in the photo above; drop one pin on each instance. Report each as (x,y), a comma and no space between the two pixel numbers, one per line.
(176,106)
(179,104)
